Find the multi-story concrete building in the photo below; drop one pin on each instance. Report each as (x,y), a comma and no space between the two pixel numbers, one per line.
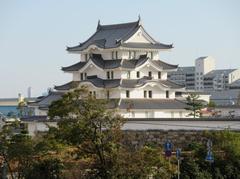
(184,76)
(220,79)
(203,65)
(121,63)
(204,77)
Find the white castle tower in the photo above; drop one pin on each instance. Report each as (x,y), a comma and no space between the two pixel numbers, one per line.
(121,63)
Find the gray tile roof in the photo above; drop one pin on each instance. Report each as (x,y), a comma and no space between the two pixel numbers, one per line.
(106,83)
(113,83)
(112,36)
(47,100)
(147,45)
(74,67)
(152,104)
(164,65)
(67,86)
(214,73)
(111,64)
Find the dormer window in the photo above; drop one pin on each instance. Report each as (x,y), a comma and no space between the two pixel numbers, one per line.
(159,75)
(132,54)
(128,74)
(81,76)
(86,57)
(127,94)
(138,74)
(150,94)
(110,74)
(145,94)
(167,94)
(150,55)
(150,74)
(112,54)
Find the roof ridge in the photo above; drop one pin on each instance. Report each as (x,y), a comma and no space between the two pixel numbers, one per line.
(117,26)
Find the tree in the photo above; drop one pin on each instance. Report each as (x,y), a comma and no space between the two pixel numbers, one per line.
(194,105)
(211,104)
(88,126)
(47,168)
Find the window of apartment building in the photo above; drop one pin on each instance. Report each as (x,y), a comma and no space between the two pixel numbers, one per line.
(108,74)
(85,76)
(150,74)
(116,53)
(150,94)
(127,94)
(108,94)
(159,75)
(138,74)
(145,94)
(128,74)
(167,94)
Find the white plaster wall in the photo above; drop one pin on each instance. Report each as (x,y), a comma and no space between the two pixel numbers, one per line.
(157,93)
(138,37)
(156,56)
(155,113)
(76,76)
(235,75)
(35,127)
(163,75)
(39,112)
(92,70)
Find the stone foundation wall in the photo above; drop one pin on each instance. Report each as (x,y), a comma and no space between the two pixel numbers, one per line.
(181,139)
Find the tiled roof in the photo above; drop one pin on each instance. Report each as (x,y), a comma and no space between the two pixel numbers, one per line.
(45,101)
(112,64)
(113,83)
(112,36)
(152,104)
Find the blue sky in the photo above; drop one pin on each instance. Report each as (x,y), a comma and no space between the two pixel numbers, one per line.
(34,34)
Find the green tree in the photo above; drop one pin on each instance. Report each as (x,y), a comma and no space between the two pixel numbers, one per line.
(194,105)
(211,104)
(47,168)
(86,124)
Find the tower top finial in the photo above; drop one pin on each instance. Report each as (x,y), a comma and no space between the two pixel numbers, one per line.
(139,20)
(98,26)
